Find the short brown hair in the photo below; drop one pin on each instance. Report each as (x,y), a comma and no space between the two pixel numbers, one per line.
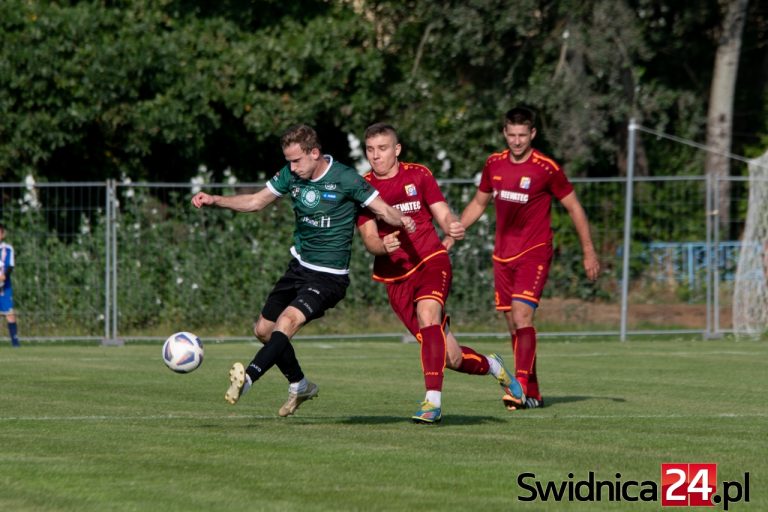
(520,116)
(303,135)
(380,129)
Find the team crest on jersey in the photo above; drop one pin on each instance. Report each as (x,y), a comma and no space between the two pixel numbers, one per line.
(310,197)
(525,182)
(410,190)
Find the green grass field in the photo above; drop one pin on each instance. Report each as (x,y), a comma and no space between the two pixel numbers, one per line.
(110,428)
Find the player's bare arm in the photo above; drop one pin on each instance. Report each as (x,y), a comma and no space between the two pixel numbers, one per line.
(452,229)
(240,203)
(375,245)
(580,222)
(391,216)
(475,208)
(447,220)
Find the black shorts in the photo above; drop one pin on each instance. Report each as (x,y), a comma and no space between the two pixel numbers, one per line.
(309,291)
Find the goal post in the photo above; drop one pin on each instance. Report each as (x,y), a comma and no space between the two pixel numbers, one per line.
(750,296)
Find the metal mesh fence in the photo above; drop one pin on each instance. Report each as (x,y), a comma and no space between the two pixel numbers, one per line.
(57,231)
(209,270)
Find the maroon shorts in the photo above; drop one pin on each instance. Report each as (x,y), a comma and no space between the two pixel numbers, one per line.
(432,280)
(521,278)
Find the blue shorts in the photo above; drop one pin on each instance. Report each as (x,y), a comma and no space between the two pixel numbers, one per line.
(6,301)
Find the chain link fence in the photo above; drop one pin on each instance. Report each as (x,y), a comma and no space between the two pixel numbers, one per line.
(108,260)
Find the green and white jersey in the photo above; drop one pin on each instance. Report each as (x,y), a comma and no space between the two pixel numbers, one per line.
(326,213)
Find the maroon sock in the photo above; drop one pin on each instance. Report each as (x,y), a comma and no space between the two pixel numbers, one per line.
(433,356)
(533,384)
(525,354)
(473,363)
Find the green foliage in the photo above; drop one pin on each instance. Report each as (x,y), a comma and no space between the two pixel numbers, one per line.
(59,277)
(143,91)
(211,269)
(184,268)
(108,86)
(151,90)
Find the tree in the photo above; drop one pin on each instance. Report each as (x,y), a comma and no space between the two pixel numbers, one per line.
(721,99)
(585,66)
(151,91)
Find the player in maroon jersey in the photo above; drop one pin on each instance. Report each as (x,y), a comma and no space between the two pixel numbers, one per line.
(416,269)
(522,181)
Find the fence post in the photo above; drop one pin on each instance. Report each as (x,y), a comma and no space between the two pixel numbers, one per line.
(632,129)
(713,259)
(110,292)
(107,261)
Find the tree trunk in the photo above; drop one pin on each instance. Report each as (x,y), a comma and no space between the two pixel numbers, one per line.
(721,96)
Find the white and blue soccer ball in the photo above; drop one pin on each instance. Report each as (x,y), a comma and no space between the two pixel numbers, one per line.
(183,352)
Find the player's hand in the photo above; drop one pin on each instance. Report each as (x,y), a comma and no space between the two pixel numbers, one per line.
(202,199)
(592,266)
(408,223)
(456,230)
(448,242)
(391,242)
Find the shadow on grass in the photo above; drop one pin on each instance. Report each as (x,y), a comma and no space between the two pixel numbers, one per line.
(450,420)
(453,419)
(550,400)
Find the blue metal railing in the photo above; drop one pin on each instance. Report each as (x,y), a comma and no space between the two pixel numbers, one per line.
(687,262)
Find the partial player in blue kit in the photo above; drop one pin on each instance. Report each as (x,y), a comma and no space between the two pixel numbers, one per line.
(7,262)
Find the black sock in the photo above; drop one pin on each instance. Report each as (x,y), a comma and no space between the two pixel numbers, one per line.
(289,365)
(268,355)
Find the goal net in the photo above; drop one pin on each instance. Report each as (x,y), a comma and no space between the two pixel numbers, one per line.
(750,296)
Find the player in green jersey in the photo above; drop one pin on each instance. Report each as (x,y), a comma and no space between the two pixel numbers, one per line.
(325,196)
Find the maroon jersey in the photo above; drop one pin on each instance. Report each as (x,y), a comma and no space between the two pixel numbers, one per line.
(522,196)
(412,190)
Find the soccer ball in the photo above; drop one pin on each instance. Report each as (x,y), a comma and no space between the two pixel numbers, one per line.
(183,352)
